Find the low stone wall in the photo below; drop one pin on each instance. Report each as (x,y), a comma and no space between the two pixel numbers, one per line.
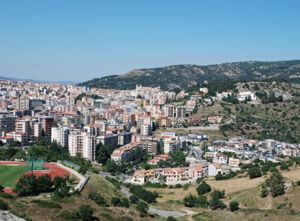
(82,179)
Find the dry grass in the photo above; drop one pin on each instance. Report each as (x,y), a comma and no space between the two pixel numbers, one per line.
(252,215)
(236,185)
(293,174)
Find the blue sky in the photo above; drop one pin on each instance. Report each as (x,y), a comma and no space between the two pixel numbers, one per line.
(79,40)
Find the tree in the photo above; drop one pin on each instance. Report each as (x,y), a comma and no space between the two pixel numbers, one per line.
(44,183)
(171,218)
(116,201)
(203,188)
(83,169)
(85,212)
(102,154)
(99,200)
(190,201)
(276,183)
(234,206)
(111,166)
(202,201)
(3,205)
(134,199)
(25,185)
(215,202)
(140,192)
(264,191)
(254,172)
(125,203)
(178,158)
(61,189)
(142,208)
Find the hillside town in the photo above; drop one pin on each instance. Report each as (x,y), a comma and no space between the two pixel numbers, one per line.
(127,121)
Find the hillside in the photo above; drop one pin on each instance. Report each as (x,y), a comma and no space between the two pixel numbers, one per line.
(184,76)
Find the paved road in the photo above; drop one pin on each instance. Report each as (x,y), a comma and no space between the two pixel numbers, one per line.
(197,152)
(166,213)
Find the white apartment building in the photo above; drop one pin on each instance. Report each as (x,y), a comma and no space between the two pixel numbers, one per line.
(82,144)
(60,135)
(36,129)
(145,129)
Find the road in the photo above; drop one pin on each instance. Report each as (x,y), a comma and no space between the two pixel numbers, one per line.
(197,152)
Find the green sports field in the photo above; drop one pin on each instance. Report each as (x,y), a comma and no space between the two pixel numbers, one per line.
(10,174)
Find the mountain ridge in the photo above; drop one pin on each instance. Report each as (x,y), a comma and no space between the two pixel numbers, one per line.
(187,75)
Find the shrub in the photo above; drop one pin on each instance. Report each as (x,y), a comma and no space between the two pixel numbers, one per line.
(134,199)
(234,206)
(85,212)
(178,185)
(114,181)
(140,192)
(203,188)
(99,200)
(47,204)
(171,218)
(142,208)
(190,201)
(264,191)
(254,172)
(276,183)
(3,205)
(115,201)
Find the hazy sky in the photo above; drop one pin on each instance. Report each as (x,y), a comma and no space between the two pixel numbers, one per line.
(79,40)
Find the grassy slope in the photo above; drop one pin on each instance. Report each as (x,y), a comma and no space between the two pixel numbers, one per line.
(24,207)
(244,191)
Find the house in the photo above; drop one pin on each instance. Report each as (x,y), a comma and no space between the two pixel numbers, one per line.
(220,158)
(214,169)
(158,158)
(170,176)
(233,162)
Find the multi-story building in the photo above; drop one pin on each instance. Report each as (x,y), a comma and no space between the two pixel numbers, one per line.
(7,123)
(124,138)
(82,144)
(36,129)
(179,175)
(170,110)
(23,127)
(109,140)
(47,124)
(60,135)
(145,129)
(127,153)
(180,112)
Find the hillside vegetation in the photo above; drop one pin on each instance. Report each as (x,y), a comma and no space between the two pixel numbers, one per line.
(185,76)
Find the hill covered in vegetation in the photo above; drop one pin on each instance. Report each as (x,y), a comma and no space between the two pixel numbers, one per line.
(186,76)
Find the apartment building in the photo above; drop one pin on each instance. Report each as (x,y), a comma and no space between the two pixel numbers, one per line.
(127,153)
(60,135)
(23,127)
(82,144)
(7,123)
(47,124)
(172,176)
